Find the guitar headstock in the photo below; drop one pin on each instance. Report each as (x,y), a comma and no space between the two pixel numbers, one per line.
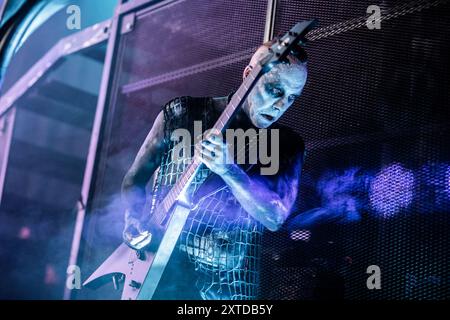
(288,44)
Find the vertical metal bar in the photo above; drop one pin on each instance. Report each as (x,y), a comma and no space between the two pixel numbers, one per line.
(270,20)
(3,9)
(102,102)
(6,132)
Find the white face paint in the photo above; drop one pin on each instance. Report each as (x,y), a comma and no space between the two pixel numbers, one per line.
(274,93)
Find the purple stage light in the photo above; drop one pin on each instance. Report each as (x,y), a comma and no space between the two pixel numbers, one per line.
(392,190)
(24,233)
(50,277)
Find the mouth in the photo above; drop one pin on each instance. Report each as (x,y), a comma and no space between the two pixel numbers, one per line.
(268,117)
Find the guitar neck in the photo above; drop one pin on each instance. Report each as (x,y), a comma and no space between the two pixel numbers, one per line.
(176,194)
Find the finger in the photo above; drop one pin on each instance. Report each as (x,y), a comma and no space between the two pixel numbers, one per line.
(215,159)
(208,155)
(198,150)
(212,147)
(126,236)
(215,141)
(203,154)
(215,138)
(139,228)
(209,150)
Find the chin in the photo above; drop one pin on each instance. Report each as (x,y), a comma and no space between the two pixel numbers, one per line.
(262,124)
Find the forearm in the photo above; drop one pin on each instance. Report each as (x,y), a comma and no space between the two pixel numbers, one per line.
(256,198)
(146,161)
(133,196)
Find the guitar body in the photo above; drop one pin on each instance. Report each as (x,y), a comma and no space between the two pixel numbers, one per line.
(125,264)
(140,271)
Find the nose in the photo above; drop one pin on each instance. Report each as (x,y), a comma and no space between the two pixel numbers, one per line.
(281,104)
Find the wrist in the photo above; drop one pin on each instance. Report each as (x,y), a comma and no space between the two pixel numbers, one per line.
(231,171)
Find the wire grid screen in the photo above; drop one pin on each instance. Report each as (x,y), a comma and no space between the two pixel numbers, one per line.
(201,52)
(375,186)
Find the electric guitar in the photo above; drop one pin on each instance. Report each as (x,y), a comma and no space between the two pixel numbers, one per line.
(141,270)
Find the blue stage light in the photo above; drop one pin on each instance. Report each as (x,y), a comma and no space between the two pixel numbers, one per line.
(447,182)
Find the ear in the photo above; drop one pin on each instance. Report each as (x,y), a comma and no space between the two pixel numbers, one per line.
(247,71)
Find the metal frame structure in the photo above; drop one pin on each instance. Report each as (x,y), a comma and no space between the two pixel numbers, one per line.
(94,143)
(6,131)
(89,37)
(64,47)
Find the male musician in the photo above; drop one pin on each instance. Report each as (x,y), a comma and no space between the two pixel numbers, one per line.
(222,236)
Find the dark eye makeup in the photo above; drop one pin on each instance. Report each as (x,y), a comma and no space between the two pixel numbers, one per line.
(277,92)
(274,90)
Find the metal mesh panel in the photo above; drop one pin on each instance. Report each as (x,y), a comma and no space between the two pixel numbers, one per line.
(188,33)
(375,119)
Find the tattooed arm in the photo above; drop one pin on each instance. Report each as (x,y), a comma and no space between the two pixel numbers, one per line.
(137,177)
(268,199)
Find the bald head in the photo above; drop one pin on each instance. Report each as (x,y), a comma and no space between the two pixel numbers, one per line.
(276,90)
(263,51)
